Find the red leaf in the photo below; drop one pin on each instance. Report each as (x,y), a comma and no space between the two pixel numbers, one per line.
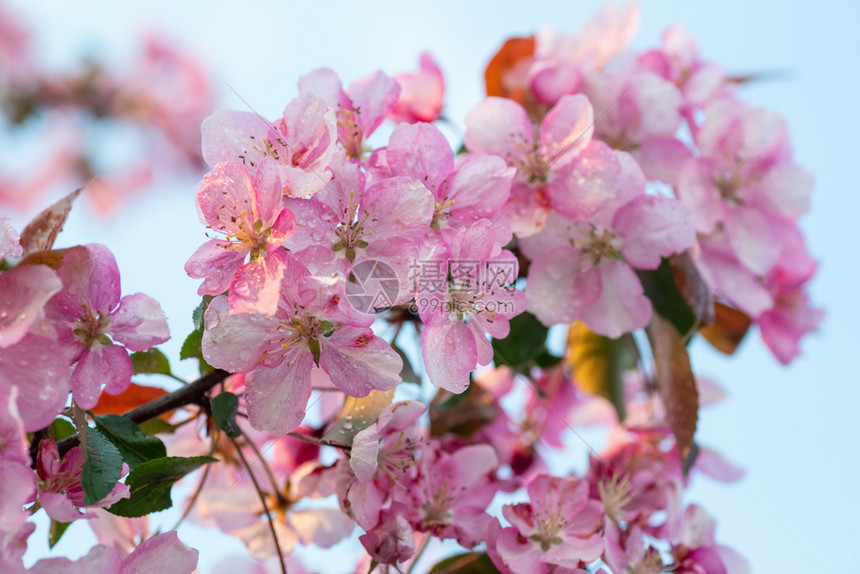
(512,51)
(134,396)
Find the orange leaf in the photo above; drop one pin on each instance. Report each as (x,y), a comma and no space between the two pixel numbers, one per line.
(512,52)
(42,231)
(134,396)
(728,330)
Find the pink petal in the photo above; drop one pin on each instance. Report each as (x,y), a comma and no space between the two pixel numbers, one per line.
(161,554)
(139,323)
(479,187)
(556,289)
(756,237)
(622,306)
(358,361)
(215,262)
(450,354)
(38,367)
(59,507)
(499,126)
(323,527)
(256,286)
(277,398)
(311,133)
(235,342)
(18,484)
(90,275)
(363,458)
(653,227)
(566,129)
(229,135)
(402,207)
(25,289)
(662,159)
(712,464)
(697,191)
(374,96)
(101,364)
(788,187)
(554,81)
(420,151)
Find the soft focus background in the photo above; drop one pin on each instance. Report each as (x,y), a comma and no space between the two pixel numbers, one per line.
(791,428)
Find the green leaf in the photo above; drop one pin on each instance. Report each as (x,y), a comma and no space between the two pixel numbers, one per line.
(102,467)
(660,287)
(61,428)
(134,446)
(56,532)
(151,482)
(151,361)
(199,311)
(191,347)
(598,363)
(156,426)
(224,408)
(469,563)
(523,344)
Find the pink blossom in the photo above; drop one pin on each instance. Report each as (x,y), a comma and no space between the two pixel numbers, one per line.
(61,493)
(745,182)
(561,59)
(300,145)
(360,109)
(356,227)
(277,352)
(163,553)
(697,551)
(677,60)
(595,281)
(640,114)
(474,188)
(501,127)
(792,315)
(479,302)
(250,213)
(391,540)
(637,477)
(452,491)
(88,312)
(422,93)
(560,526)
(382,455)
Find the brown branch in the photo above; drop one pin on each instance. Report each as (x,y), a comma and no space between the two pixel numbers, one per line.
(192,394)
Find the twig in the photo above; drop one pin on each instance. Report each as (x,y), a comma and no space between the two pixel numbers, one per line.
(265,506)
(191,394)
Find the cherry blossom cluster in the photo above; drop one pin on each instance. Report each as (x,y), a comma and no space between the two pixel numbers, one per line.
(680,118)
(593,184)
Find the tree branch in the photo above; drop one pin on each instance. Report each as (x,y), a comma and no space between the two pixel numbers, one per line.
(191,394)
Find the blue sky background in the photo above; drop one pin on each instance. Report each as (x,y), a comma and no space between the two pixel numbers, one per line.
(793,428)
